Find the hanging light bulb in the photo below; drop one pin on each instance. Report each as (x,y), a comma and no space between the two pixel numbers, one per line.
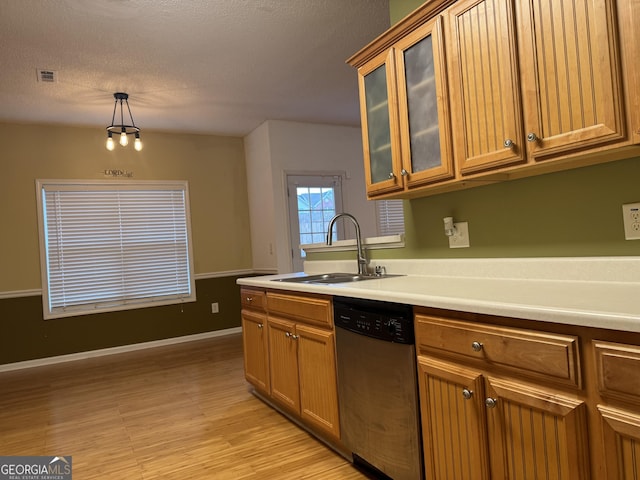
(124,141)
(110,144)
(123,129)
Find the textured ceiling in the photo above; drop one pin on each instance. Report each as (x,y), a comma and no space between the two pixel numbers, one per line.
(202,66)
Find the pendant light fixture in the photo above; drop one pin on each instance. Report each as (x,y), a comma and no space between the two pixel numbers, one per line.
(121,129)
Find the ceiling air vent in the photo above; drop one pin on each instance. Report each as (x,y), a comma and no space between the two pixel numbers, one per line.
(47,76)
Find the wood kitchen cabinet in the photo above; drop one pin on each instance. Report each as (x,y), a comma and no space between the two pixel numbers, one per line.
(485,88)
(628,21)
(619,409)
(254,337)
(561,57)
(520,88)
(302,359)
(496,412)
(405,113)
(570,75)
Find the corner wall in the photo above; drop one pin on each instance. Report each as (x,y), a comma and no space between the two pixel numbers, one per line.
(213,166)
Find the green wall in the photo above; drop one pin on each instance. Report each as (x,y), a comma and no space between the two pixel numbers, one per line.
(26,336)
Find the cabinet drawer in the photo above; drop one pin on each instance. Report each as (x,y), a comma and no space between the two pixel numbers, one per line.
(618,368)
(314,310)
(252,298)
(535,354)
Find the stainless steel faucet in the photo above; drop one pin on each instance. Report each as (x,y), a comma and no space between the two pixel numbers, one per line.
(362,258)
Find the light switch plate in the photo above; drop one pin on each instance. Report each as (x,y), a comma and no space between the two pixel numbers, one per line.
(631,218)
(460,239)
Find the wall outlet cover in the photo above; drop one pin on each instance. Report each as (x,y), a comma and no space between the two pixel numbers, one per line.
(460,239)
(631,219)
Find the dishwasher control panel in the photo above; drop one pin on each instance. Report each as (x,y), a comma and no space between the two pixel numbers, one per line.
(388,321)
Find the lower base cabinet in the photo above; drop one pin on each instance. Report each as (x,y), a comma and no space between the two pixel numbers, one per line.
(489,405)
(618,381)
(479,427)
(254,338)
(303,373)
(621,438)
(292,359)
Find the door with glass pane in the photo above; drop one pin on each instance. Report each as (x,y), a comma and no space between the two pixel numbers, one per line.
(313,201)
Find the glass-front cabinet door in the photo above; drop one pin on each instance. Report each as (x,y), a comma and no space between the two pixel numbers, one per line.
(379,114)
(405,114)
(423,106)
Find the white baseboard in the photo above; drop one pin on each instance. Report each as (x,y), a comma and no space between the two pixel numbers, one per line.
(39,362)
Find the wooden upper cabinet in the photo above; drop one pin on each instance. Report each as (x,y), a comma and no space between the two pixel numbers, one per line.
(469,92)
(423,105)
(628,21)
(485,95)
(405,113)
(570,75)
(379,114)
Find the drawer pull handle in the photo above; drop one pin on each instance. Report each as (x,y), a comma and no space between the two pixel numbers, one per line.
(249,299)
(476,346)
(491,402)
(467,394)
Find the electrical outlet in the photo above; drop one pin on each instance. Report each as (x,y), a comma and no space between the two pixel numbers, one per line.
(460,239)
(214,307)
(631,218)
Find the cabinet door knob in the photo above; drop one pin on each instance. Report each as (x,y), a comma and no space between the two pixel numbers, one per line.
(476,346)
(491,402)
(508,143)
(392,175)
(260,325)
(287,334)
(295,337)
(249,299)
(404,173)
(467,394)
(532,137)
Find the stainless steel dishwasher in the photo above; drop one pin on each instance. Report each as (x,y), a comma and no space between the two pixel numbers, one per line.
(377,387)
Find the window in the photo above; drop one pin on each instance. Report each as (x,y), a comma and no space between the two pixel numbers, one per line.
(390,217)
(108,245)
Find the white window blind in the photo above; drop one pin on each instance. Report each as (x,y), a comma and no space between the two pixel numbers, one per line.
(390,216)
(110,246)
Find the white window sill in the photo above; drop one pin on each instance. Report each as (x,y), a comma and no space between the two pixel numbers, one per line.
(373,243)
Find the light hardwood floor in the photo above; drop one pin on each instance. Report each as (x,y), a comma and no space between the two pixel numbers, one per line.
(177,412)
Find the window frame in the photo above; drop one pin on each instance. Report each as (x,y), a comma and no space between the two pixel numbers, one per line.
(117,304)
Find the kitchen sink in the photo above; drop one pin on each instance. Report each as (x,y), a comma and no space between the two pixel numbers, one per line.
(326,278)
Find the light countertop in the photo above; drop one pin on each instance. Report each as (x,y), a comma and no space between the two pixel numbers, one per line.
(601,292)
